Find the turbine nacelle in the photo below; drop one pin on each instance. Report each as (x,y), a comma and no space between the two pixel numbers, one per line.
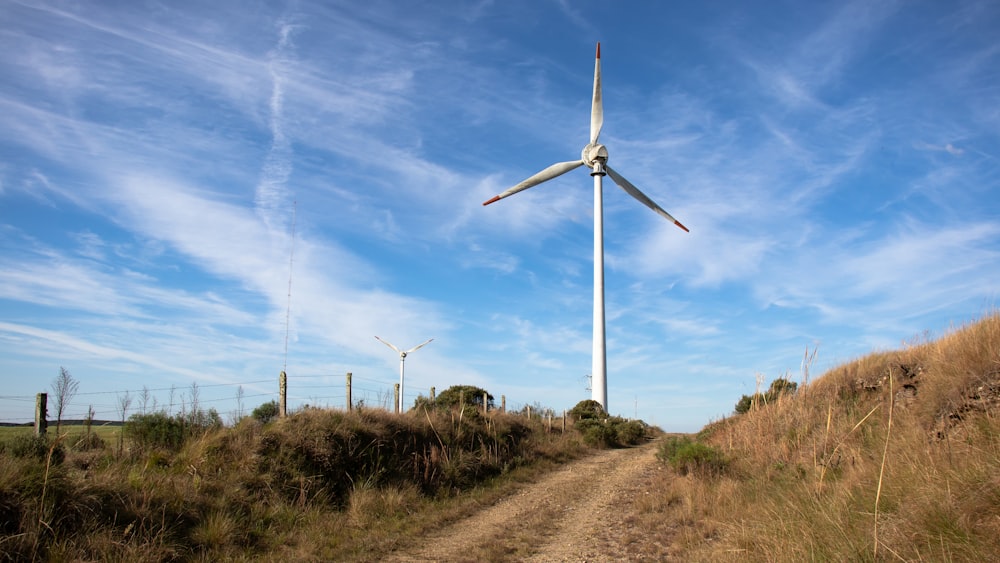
(594,153)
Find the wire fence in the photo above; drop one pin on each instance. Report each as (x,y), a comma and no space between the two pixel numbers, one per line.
(231,400)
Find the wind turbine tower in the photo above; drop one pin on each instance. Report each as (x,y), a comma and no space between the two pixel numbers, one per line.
(595,157)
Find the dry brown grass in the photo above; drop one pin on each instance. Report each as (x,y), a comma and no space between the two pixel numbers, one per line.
(819,476)
(319,485)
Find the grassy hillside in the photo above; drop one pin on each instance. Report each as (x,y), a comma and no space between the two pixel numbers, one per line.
(318,485)
(894,456)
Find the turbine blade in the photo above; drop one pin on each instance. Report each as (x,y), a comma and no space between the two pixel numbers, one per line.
(597,109)
(634,192)
(419,346)
(557,169)
(398,351)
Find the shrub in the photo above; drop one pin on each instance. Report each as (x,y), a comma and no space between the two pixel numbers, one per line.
(29,446)
(780,386)
(614,432)
(685,456)
(204,420)
(89,441)
(586,410)
(467,394)
(156,430)
(630,433)
(160,430)
(266,412)
(596,433)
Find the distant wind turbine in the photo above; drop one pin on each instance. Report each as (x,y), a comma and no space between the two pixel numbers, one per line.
(594,156)
(402,361)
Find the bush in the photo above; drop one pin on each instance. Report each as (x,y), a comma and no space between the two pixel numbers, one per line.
(470,395)
(780,386)
(89,441)
(29,446)
(685,456)
(630,433)
(596,433)
(587,410)
(266,412)
(160,430)
(156,430)
(614,432)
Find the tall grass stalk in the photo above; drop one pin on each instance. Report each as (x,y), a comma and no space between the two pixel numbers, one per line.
(41,501)
(828,459)
(881,470)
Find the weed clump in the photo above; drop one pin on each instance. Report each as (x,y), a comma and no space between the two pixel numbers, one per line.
(686,456)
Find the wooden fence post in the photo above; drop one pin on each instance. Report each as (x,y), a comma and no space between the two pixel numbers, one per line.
(486,398)
(503,403)
(41,414)
(282,395)
(432,394)
(529,411)
(395,398)
(350,405)
(564,421)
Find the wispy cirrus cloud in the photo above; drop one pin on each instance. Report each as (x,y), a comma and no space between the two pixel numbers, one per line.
(836,167)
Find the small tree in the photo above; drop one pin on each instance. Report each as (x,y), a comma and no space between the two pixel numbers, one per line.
(239,413)
(64,388)
(266,412)
(124,402)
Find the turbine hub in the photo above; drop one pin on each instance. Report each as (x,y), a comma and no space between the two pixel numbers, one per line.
(593,153)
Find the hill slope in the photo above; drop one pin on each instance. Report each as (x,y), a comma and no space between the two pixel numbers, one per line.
(895,455)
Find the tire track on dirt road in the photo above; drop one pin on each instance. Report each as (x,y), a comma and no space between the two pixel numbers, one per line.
(576,513)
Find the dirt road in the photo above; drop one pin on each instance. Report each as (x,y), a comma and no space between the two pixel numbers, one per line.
(580,512)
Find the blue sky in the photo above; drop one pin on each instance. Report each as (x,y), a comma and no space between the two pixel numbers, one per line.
(837,164)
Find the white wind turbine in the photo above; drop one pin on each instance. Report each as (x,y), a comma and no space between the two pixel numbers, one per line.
(402,360)
(594,156)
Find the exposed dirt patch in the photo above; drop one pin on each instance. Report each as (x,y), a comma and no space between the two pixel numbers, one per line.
(580,512)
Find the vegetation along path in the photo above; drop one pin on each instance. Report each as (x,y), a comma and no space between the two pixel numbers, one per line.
(579,512)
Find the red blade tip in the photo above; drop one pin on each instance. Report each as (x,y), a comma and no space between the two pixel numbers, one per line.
(598,49)
(495,198)
(678,223)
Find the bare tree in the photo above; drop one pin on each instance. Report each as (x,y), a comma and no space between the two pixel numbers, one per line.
(173,389)
(64,388)
(239,414)
(144,399)
(124,402)
(195,407)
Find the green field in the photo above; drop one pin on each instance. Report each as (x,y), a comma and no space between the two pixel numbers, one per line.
(73,432)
